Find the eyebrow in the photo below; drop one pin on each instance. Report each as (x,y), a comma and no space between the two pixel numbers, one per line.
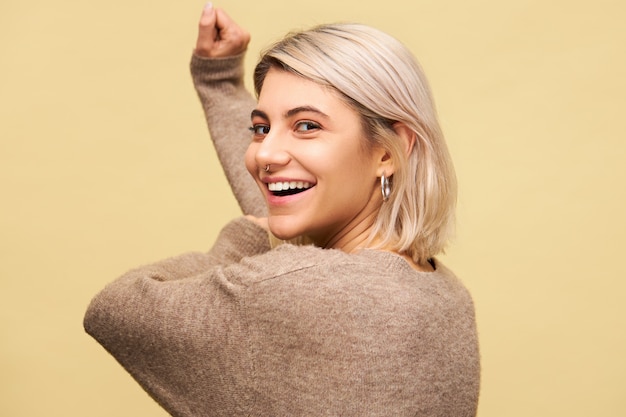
(302,109)
(258,113)
(289,113)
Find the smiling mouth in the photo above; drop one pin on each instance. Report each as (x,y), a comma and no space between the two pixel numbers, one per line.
(286,188)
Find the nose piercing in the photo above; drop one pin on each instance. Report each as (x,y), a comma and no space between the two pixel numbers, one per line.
(267,168)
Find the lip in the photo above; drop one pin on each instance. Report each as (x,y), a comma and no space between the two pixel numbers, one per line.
(278,201)
(269,178)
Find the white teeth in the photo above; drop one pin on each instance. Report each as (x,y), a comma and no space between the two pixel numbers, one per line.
(288,185)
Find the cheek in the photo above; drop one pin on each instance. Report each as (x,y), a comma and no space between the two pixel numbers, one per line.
(250,160)
(351,165)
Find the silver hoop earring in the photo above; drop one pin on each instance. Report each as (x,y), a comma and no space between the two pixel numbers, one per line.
(385,187)
(267,168)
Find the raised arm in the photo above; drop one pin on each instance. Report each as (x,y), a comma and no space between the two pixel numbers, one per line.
(217,71)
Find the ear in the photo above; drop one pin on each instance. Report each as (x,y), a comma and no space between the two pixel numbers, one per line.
(408,137)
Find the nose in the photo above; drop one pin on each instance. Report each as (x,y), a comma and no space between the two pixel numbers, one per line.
(273,151)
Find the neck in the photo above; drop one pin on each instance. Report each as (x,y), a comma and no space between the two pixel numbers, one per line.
(354,235)
(357,235)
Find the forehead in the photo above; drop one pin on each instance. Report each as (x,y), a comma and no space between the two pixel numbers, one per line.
(283,90)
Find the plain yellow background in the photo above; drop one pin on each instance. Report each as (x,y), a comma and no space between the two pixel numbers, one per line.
(105,164)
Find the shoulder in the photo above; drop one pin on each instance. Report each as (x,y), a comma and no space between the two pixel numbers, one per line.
(297,271)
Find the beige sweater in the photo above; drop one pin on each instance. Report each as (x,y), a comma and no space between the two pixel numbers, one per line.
(245,330)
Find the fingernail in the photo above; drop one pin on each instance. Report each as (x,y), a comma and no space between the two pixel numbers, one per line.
(208,6)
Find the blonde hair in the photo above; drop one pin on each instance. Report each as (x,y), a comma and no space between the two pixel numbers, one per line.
(380,78)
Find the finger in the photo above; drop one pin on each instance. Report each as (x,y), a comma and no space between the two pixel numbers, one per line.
(223,20)
(233,38)
(207,31)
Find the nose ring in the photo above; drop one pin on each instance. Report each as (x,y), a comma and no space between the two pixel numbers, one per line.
(267,168)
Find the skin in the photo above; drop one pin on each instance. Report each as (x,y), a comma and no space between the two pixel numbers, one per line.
(281,140)
(218,35)
(306,133)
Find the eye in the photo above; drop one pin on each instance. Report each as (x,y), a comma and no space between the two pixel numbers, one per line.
(259,129)
(307,126)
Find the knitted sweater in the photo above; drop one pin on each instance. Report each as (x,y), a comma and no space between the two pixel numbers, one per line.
(246,330)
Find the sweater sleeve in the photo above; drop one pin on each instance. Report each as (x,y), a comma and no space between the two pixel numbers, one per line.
(227,106)
(172,324)
(238,239)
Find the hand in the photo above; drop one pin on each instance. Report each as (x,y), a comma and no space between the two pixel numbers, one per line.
(261,221)
(218,35)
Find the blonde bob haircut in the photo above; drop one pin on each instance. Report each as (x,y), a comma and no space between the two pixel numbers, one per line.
(379,77)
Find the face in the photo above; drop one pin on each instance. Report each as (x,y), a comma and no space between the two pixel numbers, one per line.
(322,179)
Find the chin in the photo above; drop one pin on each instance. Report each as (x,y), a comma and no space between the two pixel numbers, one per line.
(283,229)
(282,235)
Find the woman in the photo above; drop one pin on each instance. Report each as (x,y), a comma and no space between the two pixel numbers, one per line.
(363,321)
